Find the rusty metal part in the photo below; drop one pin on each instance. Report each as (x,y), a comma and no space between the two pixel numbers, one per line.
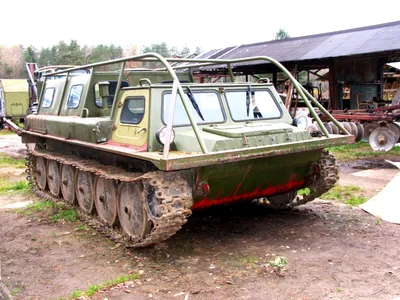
(40,176)
(396,129)
(368,128)
(68,184)
(105,199)
(354,129)
(382,139)
(346,126)
(53,177)
(131,210)
(328,175)
(167,203)
(335,129)
(360,131)
(84,190)
(282,201)
(324,181)
(328,127)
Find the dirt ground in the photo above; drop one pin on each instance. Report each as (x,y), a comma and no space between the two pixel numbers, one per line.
(334,251)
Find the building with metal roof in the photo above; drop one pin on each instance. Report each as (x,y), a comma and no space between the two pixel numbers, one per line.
(355,59)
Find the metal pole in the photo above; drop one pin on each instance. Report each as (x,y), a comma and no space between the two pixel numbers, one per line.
(117,88)
(63,92)
(171,118)
(231,73)
(330,117)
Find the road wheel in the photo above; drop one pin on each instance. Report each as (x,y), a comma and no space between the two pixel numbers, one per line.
(84,191)
(131,211)
(105,199)
(41,174)
(53,177)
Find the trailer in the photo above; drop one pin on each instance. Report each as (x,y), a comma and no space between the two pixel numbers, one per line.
(14,99)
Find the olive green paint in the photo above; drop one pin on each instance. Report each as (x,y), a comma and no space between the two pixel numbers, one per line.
(14,95)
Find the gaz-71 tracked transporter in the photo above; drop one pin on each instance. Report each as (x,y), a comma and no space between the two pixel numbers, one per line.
(137,156)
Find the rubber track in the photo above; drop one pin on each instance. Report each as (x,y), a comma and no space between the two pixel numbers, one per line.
(329,175)
(175,207)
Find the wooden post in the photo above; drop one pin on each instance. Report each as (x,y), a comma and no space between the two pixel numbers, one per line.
(288,102)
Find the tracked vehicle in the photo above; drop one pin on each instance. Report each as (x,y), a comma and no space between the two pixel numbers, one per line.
(138,154)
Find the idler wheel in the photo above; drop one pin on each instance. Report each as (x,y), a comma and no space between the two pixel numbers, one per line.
(105,199)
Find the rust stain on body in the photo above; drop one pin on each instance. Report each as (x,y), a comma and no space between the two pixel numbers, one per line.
(272,190)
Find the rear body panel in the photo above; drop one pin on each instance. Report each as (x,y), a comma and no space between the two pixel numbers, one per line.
(255,178)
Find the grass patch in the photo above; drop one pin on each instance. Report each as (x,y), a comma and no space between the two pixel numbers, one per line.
(92,289)
(279,262)
(250,260)
(68,215)
(304,192)
(37,206)
(351,194)
(81,227)
(15,291)
(10,162)
(13,187)
(6,132)
(356,201)
(55,212)
(359,150)
(244,261)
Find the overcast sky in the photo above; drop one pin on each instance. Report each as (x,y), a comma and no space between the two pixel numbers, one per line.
(208,24)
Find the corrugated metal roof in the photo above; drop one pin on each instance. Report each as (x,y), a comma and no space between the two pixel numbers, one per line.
(357,41)
(14,85)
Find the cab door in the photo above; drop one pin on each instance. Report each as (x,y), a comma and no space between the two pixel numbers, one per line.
(2,104)
(132,118)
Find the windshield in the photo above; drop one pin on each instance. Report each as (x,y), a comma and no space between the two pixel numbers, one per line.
(252,105)
(204,106)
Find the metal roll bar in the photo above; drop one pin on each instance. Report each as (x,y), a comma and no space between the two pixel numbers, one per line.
(197,63)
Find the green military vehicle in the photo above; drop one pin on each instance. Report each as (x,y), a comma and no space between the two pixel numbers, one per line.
(138,157)
(14,99)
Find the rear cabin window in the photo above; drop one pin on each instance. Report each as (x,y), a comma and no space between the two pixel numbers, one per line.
(48,97)
(252,105)
(104,92)
(133,110)
(204,106)
(74,96)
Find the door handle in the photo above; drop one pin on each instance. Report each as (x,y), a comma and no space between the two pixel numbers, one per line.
(142,129)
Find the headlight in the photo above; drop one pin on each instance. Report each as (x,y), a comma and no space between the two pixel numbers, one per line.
(300,122)
(161,135)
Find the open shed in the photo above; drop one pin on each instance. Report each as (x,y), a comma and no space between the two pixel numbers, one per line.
(353,61)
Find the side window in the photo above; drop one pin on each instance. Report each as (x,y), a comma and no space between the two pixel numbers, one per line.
(133,111)
(74,97)
(48,97)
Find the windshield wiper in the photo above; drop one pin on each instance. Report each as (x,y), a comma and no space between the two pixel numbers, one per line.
(248,95)
(194,103)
